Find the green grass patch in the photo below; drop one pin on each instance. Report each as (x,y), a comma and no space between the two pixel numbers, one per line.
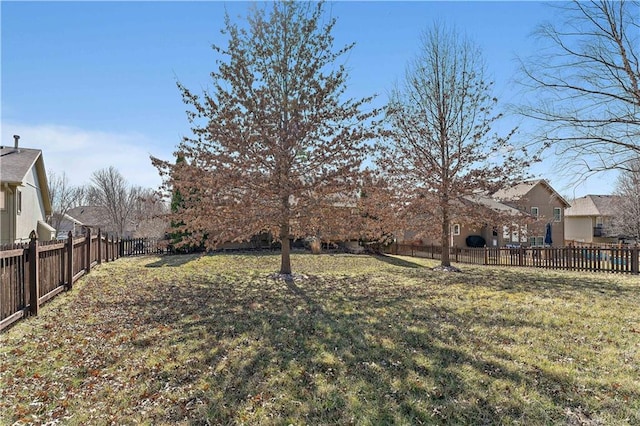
(357,340)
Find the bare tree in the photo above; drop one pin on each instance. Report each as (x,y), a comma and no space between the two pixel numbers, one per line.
(627,221)
(443,152)
(150,214)
(584,88)
(116,197)
(276,142)
(64,196)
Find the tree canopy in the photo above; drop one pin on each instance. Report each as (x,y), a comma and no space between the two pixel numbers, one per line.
(443,151)
(277,144)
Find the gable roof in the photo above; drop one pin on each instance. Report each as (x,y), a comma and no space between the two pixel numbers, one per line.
(89,215)
(593,205)
(494,204)
(521,190)
(15,164)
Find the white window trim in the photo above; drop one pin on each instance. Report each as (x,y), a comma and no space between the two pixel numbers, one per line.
(18,202)
(3,200)
(537,212)
(559,217)
(456,229)
(537,241)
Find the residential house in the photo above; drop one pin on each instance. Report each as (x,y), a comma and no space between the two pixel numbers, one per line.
(25,202)
(590,219)
(544,204)
(65,224)
(97,218)
(521,215)
(496,216)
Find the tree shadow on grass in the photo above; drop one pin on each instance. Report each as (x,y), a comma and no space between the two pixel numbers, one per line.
(323,350)
(550,282)
(173,260)
(395,261)
(308,351)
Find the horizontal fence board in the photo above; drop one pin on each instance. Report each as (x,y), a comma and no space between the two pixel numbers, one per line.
(11,253)
(11,319)
(51,295)
(51,247)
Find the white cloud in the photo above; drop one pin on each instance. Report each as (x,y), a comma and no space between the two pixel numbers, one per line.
(80,152)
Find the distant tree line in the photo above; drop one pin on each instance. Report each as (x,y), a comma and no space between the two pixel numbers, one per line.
(122,206)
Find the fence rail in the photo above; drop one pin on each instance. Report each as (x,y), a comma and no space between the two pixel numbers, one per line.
(573,258)
(33,273)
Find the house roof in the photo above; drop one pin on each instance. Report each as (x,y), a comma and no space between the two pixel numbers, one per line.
(494,204)
(521,190)
(593,205)
(89,215)
(68,218)
(15,164)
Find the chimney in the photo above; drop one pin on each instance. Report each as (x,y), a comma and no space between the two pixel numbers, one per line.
(16,138)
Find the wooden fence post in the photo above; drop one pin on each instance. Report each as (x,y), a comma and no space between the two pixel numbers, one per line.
(635,255)
(99,246)
(486,255)
(520,256)
(34,279)
(70,260)
(88,251)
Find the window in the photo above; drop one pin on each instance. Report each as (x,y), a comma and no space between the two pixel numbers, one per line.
(456,229)
(534,211)
(2,200)
(19,202)
(557,214)
(536,241)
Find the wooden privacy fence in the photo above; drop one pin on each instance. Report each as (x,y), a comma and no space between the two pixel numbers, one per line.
(33,273)
(572,258)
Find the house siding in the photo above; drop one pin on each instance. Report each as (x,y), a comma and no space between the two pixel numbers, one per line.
(32,207)
(579,229)
(7,223)
(546,201)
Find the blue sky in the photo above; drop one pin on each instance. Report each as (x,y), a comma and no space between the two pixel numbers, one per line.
(93,84)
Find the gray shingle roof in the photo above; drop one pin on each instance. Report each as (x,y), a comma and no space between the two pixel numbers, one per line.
(516,192)
(16,163)
(520,191)
(593,205)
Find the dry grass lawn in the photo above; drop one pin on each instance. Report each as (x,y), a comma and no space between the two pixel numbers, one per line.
(356,340)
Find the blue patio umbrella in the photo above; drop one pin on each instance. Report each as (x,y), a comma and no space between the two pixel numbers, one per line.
(547,237)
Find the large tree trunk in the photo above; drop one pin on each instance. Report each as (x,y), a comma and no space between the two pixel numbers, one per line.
(285,258)
(446,225)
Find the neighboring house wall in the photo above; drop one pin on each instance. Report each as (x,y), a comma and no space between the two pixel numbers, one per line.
(579,229)
(69,224)
(25,194)
(7,216)
(33,210)
(590,219)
